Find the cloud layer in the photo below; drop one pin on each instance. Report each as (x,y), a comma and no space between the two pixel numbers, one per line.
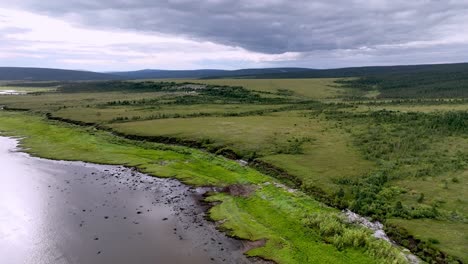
(321,33)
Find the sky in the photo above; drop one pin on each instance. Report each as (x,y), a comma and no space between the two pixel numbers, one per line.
(121,35)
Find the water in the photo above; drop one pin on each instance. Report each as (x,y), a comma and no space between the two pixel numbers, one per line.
(11,92)
(75,212)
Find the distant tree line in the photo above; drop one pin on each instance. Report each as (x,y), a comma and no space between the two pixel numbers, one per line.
(426,84)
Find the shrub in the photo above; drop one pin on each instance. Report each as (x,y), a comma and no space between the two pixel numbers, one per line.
(421,198)
(334,229)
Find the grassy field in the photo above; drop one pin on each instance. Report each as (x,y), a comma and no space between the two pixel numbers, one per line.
(49,102)
(398,160)
(310,149)
(270,213)
(309,88)
(441,233)
(111,114)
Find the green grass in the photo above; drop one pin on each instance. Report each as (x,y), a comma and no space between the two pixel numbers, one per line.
(418,155)
(325,155)
(270,213)
(50,102)
(244,134)
(447,191)
(329,157)
(99,114)
(451,237)
(342,144)
(309,88)
(72,143)
(277,215)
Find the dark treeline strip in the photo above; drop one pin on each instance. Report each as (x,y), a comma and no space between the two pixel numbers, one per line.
(363,71)
(114,86)
(183,93)
(408,102)
(32,84)
(209,95)
(300,106)
(429,84)
(446,122)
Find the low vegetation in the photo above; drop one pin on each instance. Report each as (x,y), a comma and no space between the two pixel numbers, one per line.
(384,150)
(426,84)
(270,213)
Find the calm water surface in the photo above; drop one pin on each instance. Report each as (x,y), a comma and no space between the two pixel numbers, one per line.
(75,212)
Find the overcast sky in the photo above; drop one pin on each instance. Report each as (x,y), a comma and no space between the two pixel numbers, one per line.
(107,35)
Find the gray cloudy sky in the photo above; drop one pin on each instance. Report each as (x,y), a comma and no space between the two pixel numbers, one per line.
(184,34)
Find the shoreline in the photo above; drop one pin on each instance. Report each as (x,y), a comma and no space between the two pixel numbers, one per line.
(202,207)
(257,164)
(223,203)
(187,209)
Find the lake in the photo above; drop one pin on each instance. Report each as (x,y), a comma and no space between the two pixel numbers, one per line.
(76,212)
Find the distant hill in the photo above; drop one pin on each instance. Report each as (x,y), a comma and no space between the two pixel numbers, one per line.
(45,74)
(423,81)
(203,73)
(365,71)
(403,81)
(387,77)
(277,73)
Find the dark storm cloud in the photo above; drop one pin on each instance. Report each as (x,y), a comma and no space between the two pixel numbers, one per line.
(276,26)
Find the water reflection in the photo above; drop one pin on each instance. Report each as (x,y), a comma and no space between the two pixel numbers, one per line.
(62,212)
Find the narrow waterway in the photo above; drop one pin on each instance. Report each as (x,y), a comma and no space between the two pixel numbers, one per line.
(11,92)
(75,212)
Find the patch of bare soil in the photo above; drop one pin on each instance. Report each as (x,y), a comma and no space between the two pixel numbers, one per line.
(242,190)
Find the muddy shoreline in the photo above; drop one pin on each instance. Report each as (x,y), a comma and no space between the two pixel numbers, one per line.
(396,234)
(76,212)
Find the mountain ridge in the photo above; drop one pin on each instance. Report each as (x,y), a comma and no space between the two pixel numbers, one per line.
(51,74)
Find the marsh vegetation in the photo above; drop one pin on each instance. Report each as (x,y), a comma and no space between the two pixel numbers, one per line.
(393,153)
